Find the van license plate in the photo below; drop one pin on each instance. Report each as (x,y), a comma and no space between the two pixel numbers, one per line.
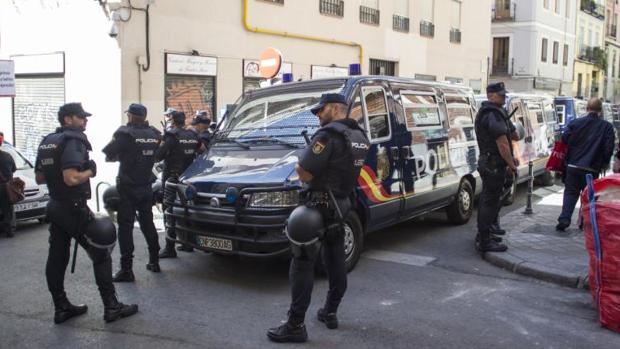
(26,206)
(214,243)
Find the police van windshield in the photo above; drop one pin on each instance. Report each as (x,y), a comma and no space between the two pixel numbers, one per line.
(279,116)
(20,162)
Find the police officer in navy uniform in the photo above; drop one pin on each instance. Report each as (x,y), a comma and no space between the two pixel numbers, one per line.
(330,165)
(178,151)
(63,163)
(202,126)
(134,146)
(496,165)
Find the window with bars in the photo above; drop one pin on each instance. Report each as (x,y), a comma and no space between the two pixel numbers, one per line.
(369,15)
(281,2)
(380,67)
(332,7)
(455,36)
(427,29)
(400,23)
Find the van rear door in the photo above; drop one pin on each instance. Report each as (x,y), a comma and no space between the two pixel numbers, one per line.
(380,178)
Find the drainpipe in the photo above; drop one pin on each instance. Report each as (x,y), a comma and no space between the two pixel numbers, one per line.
(258,30)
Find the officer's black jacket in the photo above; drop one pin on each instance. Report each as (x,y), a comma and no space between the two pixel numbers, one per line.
(134,146)
(178,150)
(491,123)
(335,157)
(64,149)
(7,166)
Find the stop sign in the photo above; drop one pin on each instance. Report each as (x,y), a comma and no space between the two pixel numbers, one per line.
(270,63)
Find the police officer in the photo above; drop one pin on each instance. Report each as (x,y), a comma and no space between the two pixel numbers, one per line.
(178,151)
(330,165)
(63,163)
(494,133)
(134,146)
(202,126)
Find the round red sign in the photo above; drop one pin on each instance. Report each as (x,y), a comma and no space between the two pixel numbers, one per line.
(270,63)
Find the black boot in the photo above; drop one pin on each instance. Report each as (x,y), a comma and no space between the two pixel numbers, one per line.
(168,251)
(496,230)
(114,310)
(153,264)
(488,243)
(288,332)
(329,319)
(126,272)
(64,310)
(185,248)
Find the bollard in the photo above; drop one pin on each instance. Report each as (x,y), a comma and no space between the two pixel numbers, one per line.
(530,188)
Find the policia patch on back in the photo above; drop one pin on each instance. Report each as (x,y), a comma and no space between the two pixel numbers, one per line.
(318,147)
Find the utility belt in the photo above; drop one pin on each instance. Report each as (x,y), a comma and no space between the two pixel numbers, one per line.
(322,201)
(74,203)
(491,160)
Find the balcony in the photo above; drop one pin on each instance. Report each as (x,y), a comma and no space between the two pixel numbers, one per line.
(593,8)
(427,29)
(332,7)
(503,11)
(369,15)
(502,67)
(594,55)
(455,36)
(400,23)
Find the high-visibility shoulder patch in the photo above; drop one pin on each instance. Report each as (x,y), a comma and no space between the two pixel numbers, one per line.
(318,148)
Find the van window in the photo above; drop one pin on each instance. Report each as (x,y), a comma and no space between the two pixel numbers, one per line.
(20,162)
(421,110)
(459,111)
(581,108)
(536,112)
(518,115)
(549,113)
(375,106)
(560,110)
(356,112)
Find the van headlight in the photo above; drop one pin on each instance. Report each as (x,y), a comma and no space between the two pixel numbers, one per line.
(289,198)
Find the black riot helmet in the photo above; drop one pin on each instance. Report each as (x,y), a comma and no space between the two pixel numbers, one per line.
(100,233)
(304,226)
(111,199)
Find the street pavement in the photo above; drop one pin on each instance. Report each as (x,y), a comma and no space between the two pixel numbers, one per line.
(419,284)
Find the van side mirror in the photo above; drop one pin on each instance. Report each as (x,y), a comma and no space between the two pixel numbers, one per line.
(520,130)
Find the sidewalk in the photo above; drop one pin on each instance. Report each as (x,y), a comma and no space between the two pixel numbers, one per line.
(537,250)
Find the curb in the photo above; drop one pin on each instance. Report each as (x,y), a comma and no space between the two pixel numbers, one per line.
(520,266)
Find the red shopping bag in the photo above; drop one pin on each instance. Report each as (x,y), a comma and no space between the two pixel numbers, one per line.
(556,159)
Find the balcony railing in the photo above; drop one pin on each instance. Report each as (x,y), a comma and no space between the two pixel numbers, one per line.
(593,8)
(400,23)
(455,36)
(592,54)
(369,15)
(503,10)
(332,7)
(427,29)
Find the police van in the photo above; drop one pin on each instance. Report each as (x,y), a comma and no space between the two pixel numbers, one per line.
(568,108)
(537,115)
(235,198)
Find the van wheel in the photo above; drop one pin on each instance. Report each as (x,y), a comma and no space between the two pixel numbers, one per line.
(353,244)
(510,198)
(546,179)
(461,209)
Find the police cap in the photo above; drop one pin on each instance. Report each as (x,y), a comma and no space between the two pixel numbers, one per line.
(329,98)
(72,109)
(136,109)
(498,88)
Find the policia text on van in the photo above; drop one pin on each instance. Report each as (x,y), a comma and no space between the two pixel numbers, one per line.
(235,198)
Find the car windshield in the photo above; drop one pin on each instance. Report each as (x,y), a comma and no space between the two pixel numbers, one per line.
(20,162)
(281,116)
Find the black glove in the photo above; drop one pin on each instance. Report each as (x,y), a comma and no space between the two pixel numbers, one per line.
(92,165)
(509,179)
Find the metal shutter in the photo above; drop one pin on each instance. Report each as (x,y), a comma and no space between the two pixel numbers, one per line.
(35,111)
(190,93)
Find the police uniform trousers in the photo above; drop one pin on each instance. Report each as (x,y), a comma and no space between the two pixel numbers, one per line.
(490,198)
(135,198)
(301,272)
(6,210)
(68,219)
(169,196)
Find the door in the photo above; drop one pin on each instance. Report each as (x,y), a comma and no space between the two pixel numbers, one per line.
(427,172)
(500,55)
(380,178)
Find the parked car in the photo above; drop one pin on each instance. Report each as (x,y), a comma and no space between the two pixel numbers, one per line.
(536,113)
(36,196)
(235,198)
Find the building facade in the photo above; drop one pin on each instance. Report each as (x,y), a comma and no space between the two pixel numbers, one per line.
(533,45)
(590,58)
(612,49)
(203,54)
